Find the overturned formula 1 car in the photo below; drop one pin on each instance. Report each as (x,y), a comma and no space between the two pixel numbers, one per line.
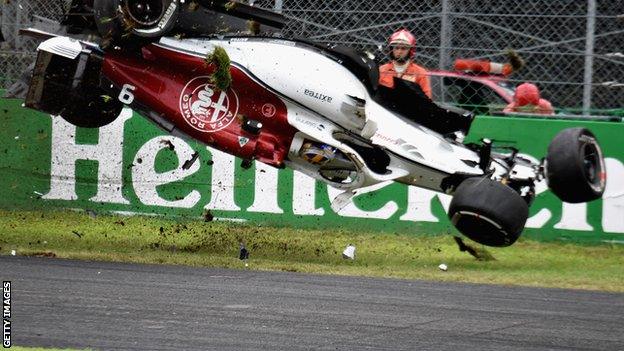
(291,103)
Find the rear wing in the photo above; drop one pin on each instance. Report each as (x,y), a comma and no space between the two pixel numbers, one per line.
(37,34)
(43,35)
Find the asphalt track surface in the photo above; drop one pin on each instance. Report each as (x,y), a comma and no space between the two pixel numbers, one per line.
(116,306)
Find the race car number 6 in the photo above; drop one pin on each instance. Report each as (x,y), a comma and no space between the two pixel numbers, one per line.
(126,96)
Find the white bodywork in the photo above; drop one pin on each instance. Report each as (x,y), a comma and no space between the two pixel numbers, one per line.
(325,100)
(62,46)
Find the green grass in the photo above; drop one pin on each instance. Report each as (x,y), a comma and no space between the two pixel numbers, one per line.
(215,244)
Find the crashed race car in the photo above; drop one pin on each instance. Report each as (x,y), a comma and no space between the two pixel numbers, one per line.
(292,103)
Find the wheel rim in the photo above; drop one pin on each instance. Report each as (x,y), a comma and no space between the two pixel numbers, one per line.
(145,12)
(593,167)
(481,229)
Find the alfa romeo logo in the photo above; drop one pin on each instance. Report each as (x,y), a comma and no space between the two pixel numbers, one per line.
(206,108)
(268,110)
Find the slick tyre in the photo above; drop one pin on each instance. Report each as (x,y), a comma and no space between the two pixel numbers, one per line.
(575,167)
(117,20)
(91,111)
(488,212)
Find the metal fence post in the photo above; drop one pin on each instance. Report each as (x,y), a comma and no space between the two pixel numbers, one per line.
(589,56)
(445,35)
(278,6)
(18,22)
(548,37)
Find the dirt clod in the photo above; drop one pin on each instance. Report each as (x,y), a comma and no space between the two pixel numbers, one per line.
(479,254)
(208,217)
(168,144)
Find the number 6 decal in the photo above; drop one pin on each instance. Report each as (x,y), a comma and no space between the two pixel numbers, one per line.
(126,96)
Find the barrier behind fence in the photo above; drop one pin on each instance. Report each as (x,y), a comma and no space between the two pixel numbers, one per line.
(572,49)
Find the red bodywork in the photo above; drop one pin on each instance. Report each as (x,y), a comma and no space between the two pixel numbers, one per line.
(177,86)
(491,81)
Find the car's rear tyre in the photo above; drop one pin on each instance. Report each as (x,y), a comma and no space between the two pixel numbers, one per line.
(488,212)
(575,167)
(91,110)
(63,87)
(121,19)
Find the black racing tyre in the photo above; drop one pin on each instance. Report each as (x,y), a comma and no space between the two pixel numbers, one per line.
(91,111)
(575,167)
(121,19)
(85,104)
(488,212)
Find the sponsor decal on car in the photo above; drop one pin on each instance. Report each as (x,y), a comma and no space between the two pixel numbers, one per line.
(318,96)
(268,110)
(205,107)
(242,141)
(168,14)
(283,42)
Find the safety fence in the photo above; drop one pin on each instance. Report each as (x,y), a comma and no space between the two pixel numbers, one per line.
(572,49)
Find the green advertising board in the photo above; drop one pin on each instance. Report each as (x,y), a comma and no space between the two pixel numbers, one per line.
(131,166)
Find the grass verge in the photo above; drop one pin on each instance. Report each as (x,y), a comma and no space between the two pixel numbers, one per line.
(215,244)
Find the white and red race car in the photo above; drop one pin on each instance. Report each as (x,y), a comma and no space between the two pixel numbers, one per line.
(290,103)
